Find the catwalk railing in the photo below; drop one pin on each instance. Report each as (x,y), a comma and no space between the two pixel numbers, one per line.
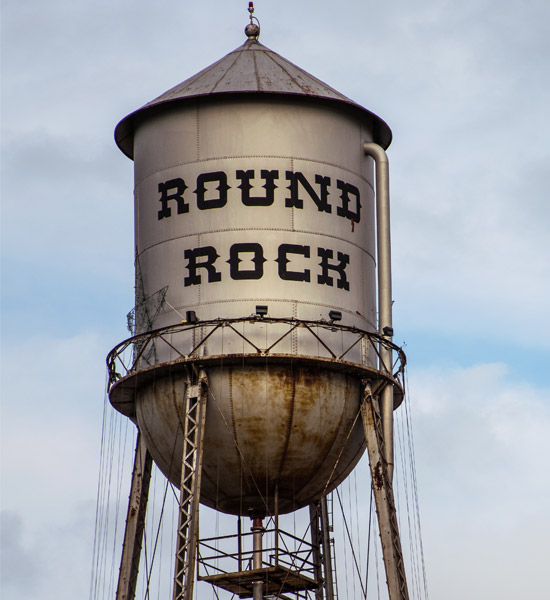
(258,337)
(280,548)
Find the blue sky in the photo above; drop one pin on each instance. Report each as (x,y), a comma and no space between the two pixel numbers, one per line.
(464,87)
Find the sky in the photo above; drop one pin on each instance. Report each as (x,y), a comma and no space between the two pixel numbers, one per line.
(465,87)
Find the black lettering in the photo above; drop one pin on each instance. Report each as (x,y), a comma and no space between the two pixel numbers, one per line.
(344,211)
(258,259)
(246,186)
(295,201)
(164,188)
(324,278)
(284,273)
(221,200)
(211,256)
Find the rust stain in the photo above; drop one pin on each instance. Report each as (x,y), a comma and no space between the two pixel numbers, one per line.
(378,477)
(233,423)
(292,400)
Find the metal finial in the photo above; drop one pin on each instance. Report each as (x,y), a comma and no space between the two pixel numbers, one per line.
(252,30)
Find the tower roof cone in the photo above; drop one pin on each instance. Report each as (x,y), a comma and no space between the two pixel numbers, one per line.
(250,69)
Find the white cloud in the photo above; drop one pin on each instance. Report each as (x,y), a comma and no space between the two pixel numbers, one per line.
(482,443)
(52,400)
(20,569)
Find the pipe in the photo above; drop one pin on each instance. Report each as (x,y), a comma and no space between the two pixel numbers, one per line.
(258,531)
(383,250)
(277,524)
(239,544)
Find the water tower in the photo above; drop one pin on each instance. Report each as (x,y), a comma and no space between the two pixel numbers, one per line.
(261,364)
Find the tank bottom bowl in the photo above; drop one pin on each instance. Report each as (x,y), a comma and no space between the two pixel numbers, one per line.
(273,429)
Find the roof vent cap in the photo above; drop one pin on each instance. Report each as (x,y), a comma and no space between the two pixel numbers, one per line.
(252,30)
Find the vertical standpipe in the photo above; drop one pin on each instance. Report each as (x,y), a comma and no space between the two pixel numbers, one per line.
(385,326)
(257,558)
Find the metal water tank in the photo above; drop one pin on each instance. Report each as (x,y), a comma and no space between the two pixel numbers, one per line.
(255,261)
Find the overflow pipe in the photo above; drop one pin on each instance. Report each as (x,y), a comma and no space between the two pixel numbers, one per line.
(383,251)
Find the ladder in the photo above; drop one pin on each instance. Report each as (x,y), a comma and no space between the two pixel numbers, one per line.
(332,563)
(321,528)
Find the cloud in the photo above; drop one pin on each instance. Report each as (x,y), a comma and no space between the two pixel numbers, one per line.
(482,442)
(21,572)
(52,400)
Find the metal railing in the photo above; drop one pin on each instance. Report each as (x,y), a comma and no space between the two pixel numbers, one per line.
(282,549)
(134,354)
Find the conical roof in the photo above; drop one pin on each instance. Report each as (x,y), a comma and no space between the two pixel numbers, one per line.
(250,69)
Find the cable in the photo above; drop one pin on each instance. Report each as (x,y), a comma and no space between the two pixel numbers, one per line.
(351,542)
(415,487)
(98,512)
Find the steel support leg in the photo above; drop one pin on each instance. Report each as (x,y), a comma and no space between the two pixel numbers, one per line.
(322,549)
(326,528)
(191,469)
(135,522)
(316,545)
(383,495)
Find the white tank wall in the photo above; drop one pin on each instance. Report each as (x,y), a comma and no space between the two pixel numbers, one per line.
(213,137)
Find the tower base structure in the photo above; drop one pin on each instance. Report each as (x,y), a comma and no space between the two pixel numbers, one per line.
(267,569)
(274,569)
